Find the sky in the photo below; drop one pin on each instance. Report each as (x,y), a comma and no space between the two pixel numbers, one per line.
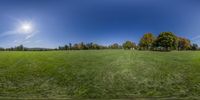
(50,23)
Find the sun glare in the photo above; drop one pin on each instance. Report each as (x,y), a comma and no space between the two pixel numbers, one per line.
(26,28)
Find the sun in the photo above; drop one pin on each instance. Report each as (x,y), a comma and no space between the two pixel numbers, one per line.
(26,28)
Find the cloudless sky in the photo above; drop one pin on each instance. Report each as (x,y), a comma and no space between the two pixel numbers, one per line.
(59,22)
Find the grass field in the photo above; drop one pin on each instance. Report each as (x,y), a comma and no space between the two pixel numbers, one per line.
(99,74)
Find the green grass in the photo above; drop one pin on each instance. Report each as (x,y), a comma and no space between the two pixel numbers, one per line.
(99,74)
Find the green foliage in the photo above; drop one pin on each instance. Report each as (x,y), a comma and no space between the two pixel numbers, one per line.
(184,44)
(194,47)
(66,47)
(129,45)
(146,42)
(88,46)
(166,41)
(115,46)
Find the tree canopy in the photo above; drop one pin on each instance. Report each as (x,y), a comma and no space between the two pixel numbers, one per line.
(146,41)
(166,41)
(183,43)
(129,45)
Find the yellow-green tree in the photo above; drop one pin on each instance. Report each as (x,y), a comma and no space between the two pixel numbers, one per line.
(183,44)
(146,42)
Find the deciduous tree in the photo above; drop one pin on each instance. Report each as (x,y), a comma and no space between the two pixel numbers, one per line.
(194,46)
(115,46)
(146,42)
(166,40)
(183,43)
(129,45)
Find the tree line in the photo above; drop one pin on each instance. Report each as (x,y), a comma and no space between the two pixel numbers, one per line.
(22,48)
(165,41)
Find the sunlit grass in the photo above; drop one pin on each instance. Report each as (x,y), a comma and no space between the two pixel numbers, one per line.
(99,74)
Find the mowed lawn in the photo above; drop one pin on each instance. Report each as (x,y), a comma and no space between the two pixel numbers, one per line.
(100,74)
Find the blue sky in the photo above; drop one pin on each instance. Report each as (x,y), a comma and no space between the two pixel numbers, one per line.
(58,22)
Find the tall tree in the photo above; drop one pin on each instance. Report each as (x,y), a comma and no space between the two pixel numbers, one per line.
(19,48)
(95,46)
(70,46)
(83,46)
(59,48)
(146,42)
(66,47)
(75,46)
(194,46)
(166,40)
(129,45)
(89,45)
(115,46)
(183,43)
